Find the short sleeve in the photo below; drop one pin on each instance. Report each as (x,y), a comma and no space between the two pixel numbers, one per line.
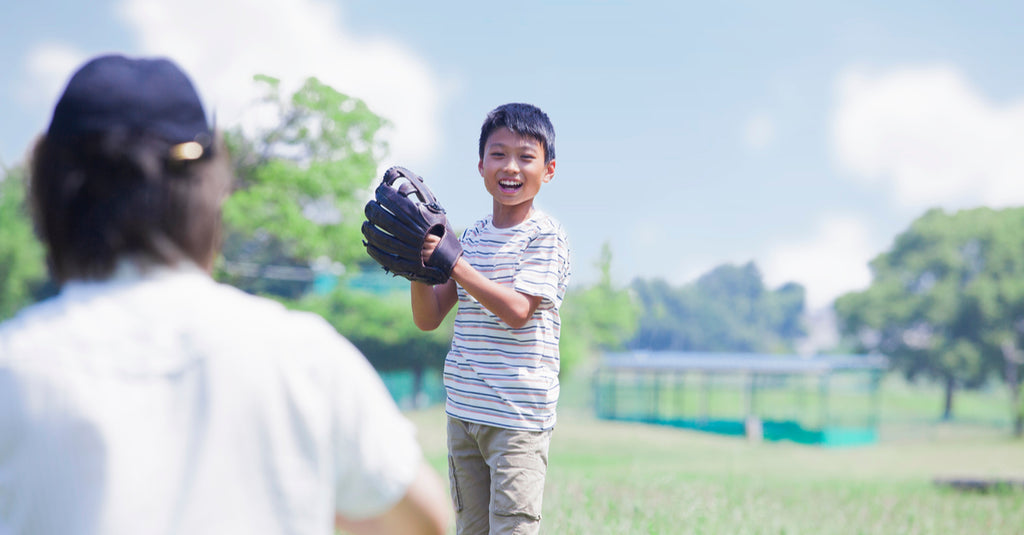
(377,456)
(543,269)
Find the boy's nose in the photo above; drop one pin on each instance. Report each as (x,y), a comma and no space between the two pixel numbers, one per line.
(512,165)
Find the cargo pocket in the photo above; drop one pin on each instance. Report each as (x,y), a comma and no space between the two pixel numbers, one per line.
(520,494)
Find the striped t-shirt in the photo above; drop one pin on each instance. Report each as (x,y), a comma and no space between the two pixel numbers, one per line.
(494,374)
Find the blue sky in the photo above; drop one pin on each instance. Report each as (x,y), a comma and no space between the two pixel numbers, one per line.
(800,135)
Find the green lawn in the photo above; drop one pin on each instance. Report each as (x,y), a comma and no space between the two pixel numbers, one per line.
(621,478)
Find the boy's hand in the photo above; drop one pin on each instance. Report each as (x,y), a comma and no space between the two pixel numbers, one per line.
(403,221)
(429,246)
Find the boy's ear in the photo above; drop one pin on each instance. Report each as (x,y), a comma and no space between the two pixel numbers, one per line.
(480,166)
(549,172)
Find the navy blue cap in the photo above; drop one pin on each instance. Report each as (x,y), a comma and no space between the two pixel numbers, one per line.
(152,96)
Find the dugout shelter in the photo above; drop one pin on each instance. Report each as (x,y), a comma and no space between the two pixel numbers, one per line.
(827,400)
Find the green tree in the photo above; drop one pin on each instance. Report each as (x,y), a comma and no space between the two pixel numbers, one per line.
(22,258)
(726,309)
(596,318)
(300,188)
(946,302)
(298,204)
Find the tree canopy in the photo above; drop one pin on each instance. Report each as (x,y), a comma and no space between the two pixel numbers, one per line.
(727,309)
(22,258)
(297,208)
(300,188)
(946,301)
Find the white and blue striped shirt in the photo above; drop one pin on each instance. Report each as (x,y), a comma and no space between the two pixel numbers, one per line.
(494,374)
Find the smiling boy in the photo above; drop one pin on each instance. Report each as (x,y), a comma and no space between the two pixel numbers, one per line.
(501,374)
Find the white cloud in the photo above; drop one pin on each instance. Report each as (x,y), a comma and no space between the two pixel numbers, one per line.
(929,137)
(759,131)
(830,263)
(48,66)
(223,44)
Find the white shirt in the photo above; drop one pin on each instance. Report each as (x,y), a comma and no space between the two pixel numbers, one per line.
(168,403)
(494,374)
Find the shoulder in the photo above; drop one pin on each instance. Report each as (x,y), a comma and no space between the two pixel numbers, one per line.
(30,326)
(546,229)
(277,331)
(547,224)
(217,319)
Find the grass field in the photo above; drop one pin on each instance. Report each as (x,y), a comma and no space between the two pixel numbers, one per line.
(621,478)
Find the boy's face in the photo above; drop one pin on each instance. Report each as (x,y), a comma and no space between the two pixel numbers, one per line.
(513,167)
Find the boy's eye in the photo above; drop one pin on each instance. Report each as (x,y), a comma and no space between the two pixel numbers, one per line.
(497,154)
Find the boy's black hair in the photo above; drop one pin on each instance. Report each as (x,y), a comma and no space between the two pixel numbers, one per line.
(523,119)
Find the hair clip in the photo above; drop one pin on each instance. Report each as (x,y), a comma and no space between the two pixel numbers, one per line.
(190,150)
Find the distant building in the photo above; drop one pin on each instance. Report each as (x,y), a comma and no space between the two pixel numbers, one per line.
(830,400)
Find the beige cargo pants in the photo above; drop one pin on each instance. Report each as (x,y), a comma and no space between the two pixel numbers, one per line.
(497,478)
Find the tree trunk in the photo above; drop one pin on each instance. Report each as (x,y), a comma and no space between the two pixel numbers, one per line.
(1013,382)
(947,412)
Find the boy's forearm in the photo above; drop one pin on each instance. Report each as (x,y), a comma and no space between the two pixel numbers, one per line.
(430,304)
(512,307)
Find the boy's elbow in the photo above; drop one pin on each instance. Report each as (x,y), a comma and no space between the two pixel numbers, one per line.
(517,322)
(518,317)
(423,319)
(426,324)
(428,320)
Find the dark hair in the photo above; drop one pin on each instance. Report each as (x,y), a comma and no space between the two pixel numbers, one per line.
(523,119)
(98,197)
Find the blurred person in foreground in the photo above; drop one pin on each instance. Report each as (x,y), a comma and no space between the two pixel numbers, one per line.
(147,398)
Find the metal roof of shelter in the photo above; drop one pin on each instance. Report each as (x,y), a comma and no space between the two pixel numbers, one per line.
(678,361)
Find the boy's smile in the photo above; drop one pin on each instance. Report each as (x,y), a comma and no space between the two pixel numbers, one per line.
(510,185)
(513,169)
